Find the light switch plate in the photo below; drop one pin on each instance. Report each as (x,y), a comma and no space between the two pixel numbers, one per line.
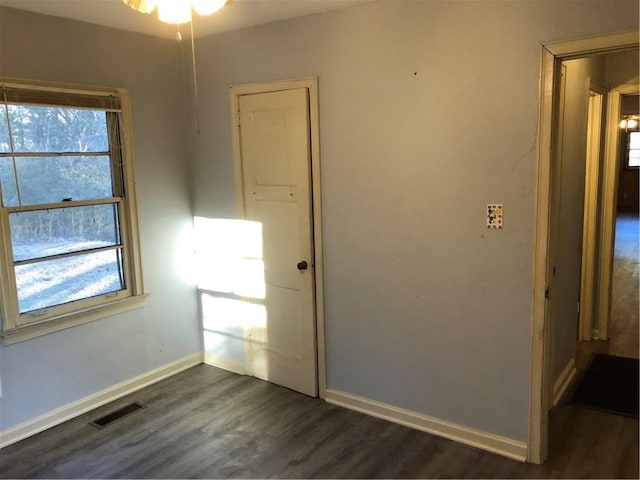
(494,215)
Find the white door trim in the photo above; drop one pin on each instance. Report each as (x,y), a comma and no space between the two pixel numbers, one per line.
(552,55)
(588,290)
(311,84)
(610,204)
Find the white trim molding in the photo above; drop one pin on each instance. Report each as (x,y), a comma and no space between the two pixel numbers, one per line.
(594,154)
(490,442)
(86,404)
(564,381)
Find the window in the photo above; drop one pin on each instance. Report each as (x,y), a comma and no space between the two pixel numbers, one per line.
(68,225)
(633,150)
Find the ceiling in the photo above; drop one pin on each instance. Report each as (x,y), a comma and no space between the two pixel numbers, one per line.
(236,15)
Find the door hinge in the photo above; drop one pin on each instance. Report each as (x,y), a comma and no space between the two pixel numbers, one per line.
(546,292)
(238,118)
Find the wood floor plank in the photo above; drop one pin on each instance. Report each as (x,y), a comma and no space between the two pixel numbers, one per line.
(625,291)
(209,423)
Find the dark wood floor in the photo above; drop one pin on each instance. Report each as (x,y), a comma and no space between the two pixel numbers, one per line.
(209,423)
(624,331)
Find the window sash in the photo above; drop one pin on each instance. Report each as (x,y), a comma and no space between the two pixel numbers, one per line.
(49,313)
(58,311)
(75,287)
(120,208)
(115,142)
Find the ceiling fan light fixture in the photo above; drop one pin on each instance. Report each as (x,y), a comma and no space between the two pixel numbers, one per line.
(207,7)
(142,6)
(629,122)
(176,11)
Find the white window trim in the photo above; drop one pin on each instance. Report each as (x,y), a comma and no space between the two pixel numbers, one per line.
(105,305)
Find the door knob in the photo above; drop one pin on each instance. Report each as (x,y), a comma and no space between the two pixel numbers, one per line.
(302,265)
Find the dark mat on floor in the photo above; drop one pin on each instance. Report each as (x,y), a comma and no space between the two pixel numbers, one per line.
(609,384)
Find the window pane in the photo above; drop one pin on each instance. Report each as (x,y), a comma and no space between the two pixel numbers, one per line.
(58,129)
(634,140)
(44,233)
(8,183)
(52,179)
(634,158)
(54,282)
(5,144)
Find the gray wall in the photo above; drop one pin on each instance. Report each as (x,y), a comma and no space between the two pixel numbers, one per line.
(45,373)
(428,111)
(621,68)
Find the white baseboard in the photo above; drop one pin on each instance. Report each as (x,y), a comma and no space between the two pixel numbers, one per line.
(86,404)
(564,381)
(224,363)
(507,447)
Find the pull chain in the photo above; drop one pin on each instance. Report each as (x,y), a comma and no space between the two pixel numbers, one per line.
(195,80)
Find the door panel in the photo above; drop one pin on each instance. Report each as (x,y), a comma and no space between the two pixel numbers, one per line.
(274,167)
(280,224)
(275,151)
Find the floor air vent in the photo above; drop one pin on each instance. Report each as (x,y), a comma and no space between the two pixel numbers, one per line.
(117,415)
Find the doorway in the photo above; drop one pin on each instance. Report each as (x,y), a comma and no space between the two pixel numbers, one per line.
(615,329)
(623,331)
(548,279)
(277,172)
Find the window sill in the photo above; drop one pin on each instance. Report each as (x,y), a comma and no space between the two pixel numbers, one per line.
(28,332)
